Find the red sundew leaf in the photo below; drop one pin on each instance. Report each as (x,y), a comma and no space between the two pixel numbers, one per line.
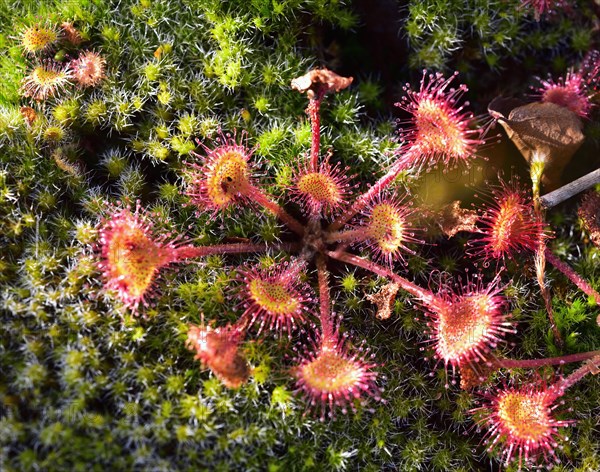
(39,38)
(131,255)
(71,34)
(388,230)
(88,69)
(521,423)
(223,177)
(330,374)
(321,191)
(440,130)
(46,80)
(542,6)
(507,224)
(275,298)
(466,325)
(384,228)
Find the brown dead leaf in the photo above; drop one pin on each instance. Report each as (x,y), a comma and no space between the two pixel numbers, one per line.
(29,114)
(452,219)
(218,349)
(541,129)
(318,82)
(384,299)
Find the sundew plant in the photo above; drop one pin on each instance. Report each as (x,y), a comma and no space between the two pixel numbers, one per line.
(304,235)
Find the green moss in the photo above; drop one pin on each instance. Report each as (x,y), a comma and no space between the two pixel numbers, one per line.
(87,385)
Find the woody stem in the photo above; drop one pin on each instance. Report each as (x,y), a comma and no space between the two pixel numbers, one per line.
(324,298)
(567,191)
(268,204)
(573,276)
(422,294)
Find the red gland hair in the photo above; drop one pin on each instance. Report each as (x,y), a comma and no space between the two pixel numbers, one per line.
(331,376)
(218,349)
(88,69)
(440,130)
(465,326)
(275,298)
(323,191)
(45,81)
(520,423)
(508,224)
(223,178)
(131,257)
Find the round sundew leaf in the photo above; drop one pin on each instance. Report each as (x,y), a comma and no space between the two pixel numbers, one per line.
(88,69)
(275,298)
(223,177)
(441,130)
(132,256)
(521,423)
(329,374)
